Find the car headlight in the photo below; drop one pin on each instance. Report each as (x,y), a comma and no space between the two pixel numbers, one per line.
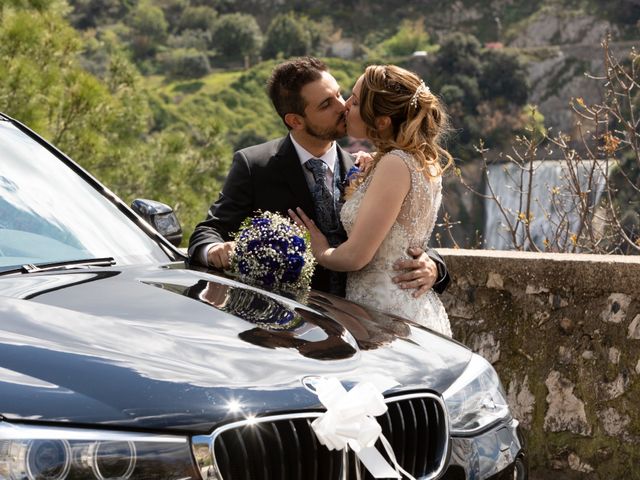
(47,453)
(476,399)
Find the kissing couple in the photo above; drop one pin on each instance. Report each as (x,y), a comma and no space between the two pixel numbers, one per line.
(370,237)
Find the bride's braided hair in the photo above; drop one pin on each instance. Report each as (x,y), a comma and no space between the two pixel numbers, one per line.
(417,116)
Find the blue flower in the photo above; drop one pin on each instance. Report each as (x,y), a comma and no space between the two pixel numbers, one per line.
(253,245)
(266,234)
(295,261)
(260,221)
(269,263)
(291,275)
(268,279)
(353,171)
(279,245)
(298,243)
(243,267)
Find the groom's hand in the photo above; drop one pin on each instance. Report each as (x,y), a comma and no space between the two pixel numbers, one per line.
(219,255)
(420,272)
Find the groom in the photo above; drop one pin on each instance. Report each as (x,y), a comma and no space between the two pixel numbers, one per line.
(286,173)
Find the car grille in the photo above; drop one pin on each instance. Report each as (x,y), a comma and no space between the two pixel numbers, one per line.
(285,447)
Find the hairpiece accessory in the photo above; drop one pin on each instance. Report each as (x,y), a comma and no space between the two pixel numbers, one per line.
(421,88)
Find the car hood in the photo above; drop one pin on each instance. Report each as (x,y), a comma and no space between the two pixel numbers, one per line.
(168,348)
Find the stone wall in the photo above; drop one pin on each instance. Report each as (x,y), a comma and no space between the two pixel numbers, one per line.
(563,332)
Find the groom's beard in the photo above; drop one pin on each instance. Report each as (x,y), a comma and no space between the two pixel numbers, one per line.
(335,132)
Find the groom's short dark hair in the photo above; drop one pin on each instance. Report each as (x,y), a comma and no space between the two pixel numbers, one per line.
(286,82)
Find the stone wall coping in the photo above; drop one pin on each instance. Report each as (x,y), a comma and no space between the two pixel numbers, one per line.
(537,256)
(559,272)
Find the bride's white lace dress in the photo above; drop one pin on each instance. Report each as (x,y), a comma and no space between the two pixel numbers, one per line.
(373,285)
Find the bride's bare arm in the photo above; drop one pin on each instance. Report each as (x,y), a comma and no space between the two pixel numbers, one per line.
(377,213)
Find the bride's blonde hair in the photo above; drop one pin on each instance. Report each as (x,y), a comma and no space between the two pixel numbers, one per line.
(418,118)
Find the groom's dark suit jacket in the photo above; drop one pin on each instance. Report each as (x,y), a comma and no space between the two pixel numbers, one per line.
(269,177)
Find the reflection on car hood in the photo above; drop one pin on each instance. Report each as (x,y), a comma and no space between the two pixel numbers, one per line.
(172,348)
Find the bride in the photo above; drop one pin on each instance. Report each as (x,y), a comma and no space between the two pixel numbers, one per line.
(394,204)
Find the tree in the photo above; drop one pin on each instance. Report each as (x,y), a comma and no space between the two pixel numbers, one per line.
(172,10)
(410,37)
(237,35)
(196,39)
(485,93)
(148,29)
(452,95)
(43,84)
(35,51)
(92,13)
(459,54)
(197,18)
(110,125)
(287,36)
(503,76)
(37,5)
(185,63)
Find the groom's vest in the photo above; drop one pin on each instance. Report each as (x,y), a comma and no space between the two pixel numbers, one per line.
(327,213)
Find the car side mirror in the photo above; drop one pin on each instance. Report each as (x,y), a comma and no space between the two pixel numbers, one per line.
(161,217)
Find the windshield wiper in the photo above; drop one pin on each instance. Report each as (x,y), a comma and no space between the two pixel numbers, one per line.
(66,265)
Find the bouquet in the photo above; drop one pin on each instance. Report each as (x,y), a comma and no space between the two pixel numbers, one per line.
(273,252)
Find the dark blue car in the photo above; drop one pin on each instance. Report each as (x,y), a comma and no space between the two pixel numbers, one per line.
(118,361)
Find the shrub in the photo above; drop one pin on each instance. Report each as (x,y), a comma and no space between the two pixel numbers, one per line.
(237,35)
(410,38)
(286,36)
(185,63)
(148,30)
(197,18)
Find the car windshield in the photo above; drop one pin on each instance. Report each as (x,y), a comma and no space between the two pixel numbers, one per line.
(49,213)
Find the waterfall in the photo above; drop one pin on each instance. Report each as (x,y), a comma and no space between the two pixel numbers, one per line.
(553,201)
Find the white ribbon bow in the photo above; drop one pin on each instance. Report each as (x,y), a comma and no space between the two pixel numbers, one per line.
(349,421)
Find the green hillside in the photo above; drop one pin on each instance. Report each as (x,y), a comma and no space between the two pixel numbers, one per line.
(154,95)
